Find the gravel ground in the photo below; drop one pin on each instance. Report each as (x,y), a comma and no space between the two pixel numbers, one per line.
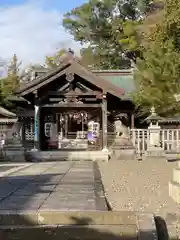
(139,186)
(142,186)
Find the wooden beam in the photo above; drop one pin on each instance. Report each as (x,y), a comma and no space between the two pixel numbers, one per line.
(61,93)
(62,88)
(72,105)
(27,113)
(90,99)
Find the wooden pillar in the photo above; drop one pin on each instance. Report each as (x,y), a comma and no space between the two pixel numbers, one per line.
(104,122)
(132,120)
(36,123)
(66,126)
(39,128)
(23,133)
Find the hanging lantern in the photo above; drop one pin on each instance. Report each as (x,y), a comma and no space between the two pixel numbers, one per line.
(70,115)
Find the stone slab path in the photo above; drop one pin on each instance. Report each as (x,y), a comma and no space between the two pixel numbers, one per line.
(53,186)
(64,200)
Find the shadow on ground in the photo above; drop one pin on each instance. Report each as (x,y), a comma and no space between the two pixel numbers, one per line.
(27,192)
(80,229)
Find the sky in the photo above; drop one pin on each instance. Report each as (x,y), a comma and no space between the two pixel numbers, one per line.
(33,29)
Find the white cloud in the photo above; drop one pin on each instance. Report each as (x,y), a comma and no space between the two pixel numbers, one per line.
(32,32)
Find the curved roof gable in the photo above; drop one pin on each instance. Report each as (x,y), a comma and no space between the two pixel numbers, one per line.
(72,66)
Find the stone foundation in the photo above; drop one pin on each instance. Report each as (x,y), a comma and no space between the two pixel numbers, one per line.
(14,154)
(154,152)
(13,150)
(174,185)
(123,154)
(67,156)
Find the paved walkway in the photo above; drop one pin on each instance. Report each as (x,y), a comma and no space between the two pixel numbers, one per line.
(53,186)
(64,199)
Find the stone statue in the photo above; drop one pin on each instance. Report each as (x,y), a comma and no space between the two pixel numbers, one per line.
(122,134)
(122,147)
(14,151)
(121,129)
(13,134)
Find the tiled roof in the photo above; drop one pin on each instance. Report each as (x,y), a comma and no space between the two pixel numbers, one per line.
(122,78)
(70,65)
(6,113)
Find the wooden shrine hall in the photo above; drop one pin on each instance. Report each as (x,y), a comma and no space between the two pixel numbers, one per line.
(69,108)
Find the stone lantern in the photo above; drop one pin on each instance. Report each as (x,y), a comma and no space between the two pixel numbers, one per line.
(153,139)
(153,118)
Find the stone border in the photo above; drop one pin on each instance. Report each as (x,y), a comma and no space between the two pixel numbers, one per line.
(101,201)
(15,169)
(38,218)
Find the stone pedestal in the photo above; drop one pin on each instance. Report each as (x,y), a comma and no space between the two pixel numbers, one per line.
(174,185)
(122,149)
(123,154)
(154,149)
(154,152)
(14,151)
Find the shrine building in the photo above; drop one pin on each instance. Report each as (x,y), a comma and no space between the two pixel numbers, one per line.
(73,108)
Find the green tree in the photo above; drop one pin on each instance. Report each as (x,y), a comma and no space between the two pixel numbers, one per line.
(54,60)
(12,82)
(157,80)
(158,73)
(109,27)
(89,58)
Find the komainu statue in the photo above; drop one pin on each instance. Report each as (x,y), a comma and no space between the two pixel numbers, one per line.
(122,135)
(122,148)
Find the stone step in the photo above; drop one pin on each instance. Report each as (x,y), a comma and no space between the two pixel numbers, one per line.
(176,175)
(94,232)
(74,155)
(174,191)
(86,225)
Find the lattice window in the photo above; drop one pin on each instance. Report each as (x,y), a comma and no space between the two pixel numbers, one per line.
(29,131)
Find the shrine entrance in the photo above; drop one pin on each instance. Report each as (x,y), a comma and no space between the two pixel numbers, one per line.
(72,123)
(71,129)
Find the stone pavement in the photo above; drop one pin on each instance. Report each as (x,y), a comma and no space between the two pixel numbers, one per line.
(53,186)
(64,200)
